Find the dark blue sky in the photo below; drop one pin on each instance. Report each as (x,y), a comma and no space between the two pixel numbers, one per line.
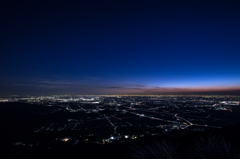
(120,47)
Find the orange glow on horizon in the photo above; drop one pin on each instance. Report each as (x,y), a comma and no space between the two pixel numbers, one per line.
(159,90)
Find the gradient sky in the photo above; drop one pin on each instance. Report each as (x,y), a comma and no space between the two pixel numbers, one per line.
(119,47)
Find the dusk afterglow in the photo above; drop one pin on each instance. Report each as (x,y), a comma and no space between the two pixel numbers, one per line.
(120,47)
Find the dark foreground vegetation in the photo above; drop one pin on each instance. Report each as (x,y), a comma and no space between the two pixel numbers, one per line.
(205,147)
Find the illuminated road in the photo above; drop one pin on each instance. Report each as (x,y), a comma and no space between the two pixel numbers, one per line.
(183,119)
(152,117)
(176,116)
(125,122)
(115,127)
(196,124)
(81,108)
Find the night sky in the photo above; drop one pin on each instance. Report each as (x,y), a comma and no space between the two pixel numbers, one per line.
(131,47)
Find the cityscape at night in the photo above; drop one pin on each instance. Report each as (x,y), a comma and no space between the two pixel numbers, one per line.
(120,79)
(50,123)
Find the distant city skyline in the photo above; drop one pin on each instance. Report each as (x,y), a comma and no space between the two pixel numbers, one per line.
(120,47)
